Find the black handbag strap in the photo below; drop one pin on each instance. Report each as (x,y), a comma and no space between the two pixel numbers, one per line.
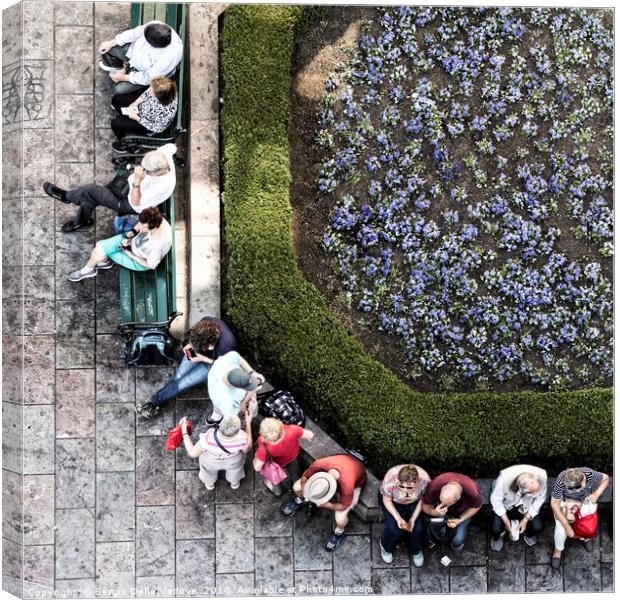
(217,441)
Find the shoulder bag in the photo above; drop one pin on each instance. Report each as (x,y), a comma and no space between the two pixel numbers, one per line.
(271,470)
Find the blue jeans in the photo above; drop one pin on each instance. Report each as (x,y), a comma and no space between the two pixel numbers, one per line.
(188,375)
(393,533)
(461,533)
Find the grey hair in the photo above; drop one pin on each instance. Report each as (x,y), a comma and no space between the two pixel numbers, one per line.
(154,161)
(230,425)
(573,477)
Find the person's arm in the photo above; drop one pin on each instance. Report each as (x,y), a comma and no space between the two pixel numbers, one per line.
(129,36)
(258,464)
(334,506)
(414,516)
(194,450)
(389,505)
(596,494)
(107,46)
(244,403)
(138,177)
(248,431)
(431,511)
(537,502)
(497,502)
(246,367)
(558,513)
(139,260)
(467,514)
(307,435)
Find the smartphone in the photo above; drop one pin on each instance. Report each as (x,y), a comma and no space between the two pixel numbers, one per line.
(122,248)
(190,353)
(437,519)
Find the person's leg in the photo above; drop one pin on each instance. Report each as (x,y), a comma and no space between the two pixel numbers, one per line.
(121,100)
(126,87)
(115,57)
(187,375)
(208,474)
(497,526)
(534,526)
(123,125)
(88,197)
(417,535)
(235,469)
(461,535)
(392,532)
(342,516)
(559,538)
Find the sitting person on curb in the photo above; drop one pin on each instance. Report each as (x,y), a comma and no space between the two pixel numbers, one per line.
(209,339)
(518,493)
(144,251)
(149,185)
(221,448)
(280,443)
(232,384)
(150,112)
(572,488)
(137,56)
(341,474)
(456,496)
(399,498)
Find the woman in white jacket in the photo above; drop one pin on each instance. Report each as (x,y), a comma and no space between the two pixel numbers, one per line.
(518,493)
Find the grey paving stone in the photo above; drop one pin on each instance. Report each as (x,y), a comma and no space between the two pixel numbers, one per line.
(196,412)
(75,341)
(507,568)
(12,368)
(225,494)
(38,316)
(314,583)
(104,172)
(38,282)
(72,251)
(148,381)
(74,121)
(12,34)
(542,578)
(75,473)
(110,18)
(433,577)
(12,568)
(391,581)
(474,552)
(75,554)
(115,383)
(73,13)
(235,525)
(115,437)
(12,441)
(38,226)
(582,573)
(38,436)
(39,506)
(38,571)
(400,554)
(72,175)
(155,543)
(356,525)
(39,73)
(155,587)
(274,566)
(468,580)
(154,472)
(310,538)
(104,88)
(541,552)
(116,569)
(12,506)
(269,522)
(75,403)
(38,32)
(195,567)
(38,166)
(76,588)
(116,512)
(195,507)
(75,72)
(39,363)
(607,577)
(13,316)
(606,539)
(108,304)
(12,189)
(234,584)
(352,564)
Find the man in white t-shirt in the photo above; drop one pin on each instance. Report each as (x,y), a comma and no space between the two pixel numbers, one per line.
(149,185)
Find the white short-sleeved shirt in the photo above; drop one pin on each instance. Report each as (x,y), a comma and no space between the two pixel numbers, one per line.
(225,398)
(155,189)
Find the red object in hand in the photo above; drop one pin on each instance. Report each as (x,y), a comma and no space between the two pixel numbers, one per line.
(586,527)
(175,436)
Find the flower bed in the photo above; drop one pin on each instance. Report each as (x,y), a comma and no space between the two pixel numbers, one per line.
(470,155)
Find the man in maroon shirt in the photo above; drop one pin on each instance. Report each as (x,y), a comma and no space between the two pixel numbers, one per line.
(456,496)
(341,474)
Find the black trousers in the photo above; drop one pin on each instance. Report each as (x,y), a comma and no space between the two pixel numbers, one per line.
(117,58)
(123,125)
(88,197)
(534,526)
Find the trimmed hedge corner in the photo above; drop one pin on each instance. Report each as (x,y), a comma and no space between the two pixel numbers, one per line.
(282,319)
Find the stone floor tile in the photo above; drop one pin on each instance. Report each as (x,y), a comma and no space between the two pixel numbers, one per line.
(76,588)
(116,511)
(104,88)
(195,507)
(39,438)
(154,472)
(39,509)
(310,538)
(607,577)
(234,584)
(468,580)
(391,581)
(196,411)
(12,190)
(13,317)
(314,583)
(75,554)
(39,114)
(75,72)
(12,34)
(12,506)
(155,543)
(12,568)
(352,563)
(115,437)
(74,121)
(75,473)
(39,364)
(110,18)
(474,552)
(269,522)
(225,494)
(75,346)
(75,403)
(116,569)
(38,166)
(433,577)
(71,175)
(38,316)
(606,537)
(115,382)
(73,13)
(14,281)
(155,587)
(13,368)
(72,251)
(273,566)
(576,553)
(582,575)
(38,571)
(507,568)
(542,578)
(356,525)
(148,381)
(195,567)
(38,32)
(38,282)
(235,525)
(104,171)
(541,552)
(12,440)
(400,554)
(108,304)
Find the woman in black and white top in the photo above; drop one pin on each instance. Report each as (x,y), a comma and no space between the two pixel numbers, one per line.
(150,112)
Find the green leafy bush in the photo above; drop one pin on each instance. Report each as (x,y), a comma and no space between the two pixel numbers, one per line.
(283,320)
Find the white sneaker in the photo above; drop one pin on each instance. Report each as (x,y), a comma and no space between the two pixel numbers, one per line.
(235,486)
(497,545)
(387,557)
(107,68)
(418,559)
(210,487)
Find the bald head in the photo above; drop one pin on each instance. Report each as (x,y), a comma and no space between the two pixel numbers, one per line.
(450,494)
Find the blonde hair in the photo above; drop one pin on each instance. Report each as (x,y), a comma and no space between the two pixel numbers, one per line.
(164,89)
(271,430)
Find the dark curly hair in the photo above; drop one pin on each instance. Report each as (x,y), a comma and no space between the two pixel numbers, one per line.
(152,217)
(204,334)
(158,35)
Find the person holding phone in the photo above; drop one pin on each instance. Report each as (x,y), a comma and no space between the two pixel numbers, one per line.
(208,339)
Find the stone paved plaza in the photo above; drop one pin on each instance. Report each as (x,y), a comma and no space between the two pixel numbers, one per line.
(94,503)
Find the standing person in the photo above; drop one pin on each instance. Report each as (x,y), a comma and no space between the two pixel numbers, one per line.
(232,383)
(334,483)
(456,496)
(221,448)
(137,56)
(280,443)
(209,339)
(399,498)
(149,185)
(573,487)
(518,493)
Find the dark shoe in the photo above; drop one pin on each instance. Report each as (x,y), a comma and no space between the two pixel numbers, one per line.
(55,192)
(459,547)
(430,545)
(148,410)
(119,148)
(333,541)
(588,545)
(556,563)
(291,507)
(71,226)
(530,541)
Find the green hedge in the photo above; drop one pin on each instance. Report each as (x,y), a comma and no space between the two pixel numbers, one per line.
(281,319)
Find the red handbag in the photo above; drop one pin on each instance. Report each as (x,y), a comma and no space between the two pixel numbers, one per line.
(175,436)
(585,527)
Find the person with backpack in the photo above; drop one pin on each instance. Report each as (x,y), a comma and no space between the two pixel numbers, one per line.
(454,497)
(278,443)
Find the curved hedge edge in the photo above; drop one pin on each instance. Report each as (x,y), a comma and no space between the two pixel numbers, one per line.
(283,319)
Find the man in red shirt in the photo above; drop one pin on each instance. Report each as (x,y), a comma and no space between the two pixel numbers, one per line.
(334,483)
(456,496)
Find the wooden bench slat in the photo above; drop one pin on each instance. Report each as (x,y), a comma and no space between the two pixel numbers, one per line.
(160,12)
(148,13)
(126,296)
(139,299)
(136,14)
